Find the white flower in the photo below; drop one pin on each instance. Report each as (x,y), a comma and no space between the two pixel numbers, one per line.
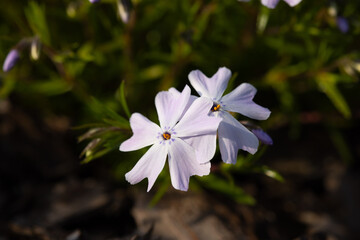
(231,133)
(273,3)
(177,138)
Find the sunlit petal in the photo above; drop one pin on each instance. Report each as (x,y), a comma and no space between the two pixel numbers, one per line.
(213,87)
(197,121)
(270,3)
(149,166)
(176,93)
(144,133)
(170,107)
(183,164)
(234,136)
(292,3)
(204,145)
(241,101)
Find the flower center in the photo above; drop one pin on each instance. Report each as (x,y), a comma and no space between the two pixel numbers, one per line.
(166,136)
(215,107)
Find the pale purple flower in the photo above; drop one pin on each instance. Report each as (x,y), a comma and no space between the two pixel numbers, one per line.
(10,60)
(262,136)
(273,3)
(342,24)
(177,138)
(94,1)
(231,133)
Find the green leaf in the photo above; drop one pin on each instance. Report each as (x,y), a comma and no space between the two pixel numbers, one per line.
(121,96)
(51,87)
(341,145)
(232,191)
(262,19)
(269,172)
(106,114)
(35,15)
(153,72)
(327,83)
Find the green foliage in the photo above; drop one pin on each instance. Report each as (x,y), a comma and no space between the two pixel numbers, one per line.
(95,68)
(35,15)
(327,83)
(105,136)
(222,186)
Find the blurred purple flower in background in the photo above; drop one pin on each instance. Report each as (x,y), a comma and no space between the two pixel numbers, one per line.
(231,133)
(262,136)
(94,1)
(11,59)
(342,24)
(273,3)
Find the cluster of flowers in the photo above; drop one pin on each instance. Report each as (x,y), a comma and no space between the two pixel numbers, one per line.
(268,3)
(189,126)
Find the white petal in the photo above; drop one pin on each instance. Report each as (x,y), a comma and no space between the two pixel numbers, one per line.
(192,98)
(270,3)
(241,101)
(213,87)
(144,133)
(149,166)
(204,145)
(292,3)
(234,136)
(183,164)
(170,106)
(197,121)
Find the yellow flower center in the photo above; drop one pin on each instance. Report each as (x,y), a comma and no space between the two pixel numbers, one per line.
(166,136)
(215,107)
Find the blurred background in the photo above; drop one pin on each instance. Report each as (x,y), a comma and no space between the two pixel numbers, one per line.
(80,69)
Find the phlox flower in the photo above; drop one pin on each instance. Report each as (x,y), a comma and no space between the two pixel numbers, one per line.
(177,138)
(232,134)
(273,3)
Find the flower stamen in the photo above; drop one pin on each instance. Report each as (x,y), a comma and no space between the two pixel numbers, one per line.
(215,107)
(166,136)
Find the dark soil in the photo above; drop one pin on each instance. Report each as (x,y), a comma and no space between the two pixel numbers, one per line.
(45,193)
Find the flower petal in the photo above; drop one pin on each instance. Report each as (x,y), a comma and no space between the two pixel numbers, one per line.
(170,106)
(176,93)
(234,136)
(213,87)
(149,166)
(204,145)
(183,164)
(241,101)
(145,133)
(196,120)
(292,3)
(270,3)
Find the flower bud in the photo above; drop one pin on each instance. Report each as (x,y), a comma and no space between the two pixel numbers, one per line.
(11,59)
(342,24)
(124,8)
(35,49)
(262,136)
